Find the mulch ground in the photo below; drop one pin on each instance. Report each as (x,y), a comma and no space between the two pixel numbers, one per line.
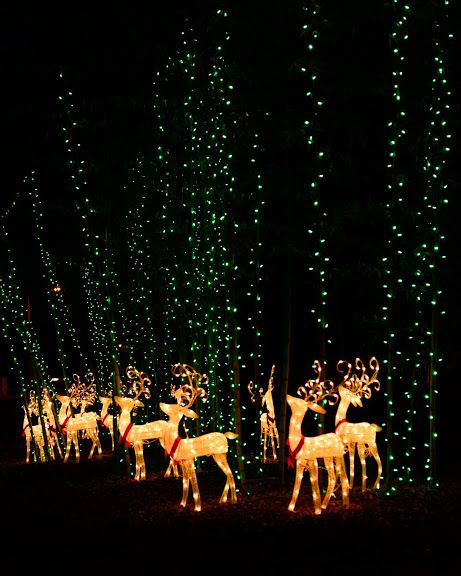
(93,508)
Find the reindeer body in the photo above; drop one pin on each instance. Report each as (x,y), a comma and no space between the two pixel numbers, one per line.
(52,432)
(184,451)
(138,434)
(307,450)
(86,422)
(38,437)
(268,425)
(361,435)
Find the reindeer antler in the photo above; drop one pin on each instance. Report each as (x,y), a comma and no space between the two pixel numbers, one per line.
(316,390)
(140,383)
(186,394)
(367,381)
(251,388)
(360,384)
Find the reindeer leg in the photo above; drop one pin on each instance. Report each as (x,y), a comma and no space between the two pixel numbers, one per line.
(195,490)
(351,448)
(221,461)
(93,443)
(341,472)
(98,444)
(185,482)
(274,452)
(314,476)
(374,453)
(142,461)
(68,445)
(59,447)
(27,449)
(331,480)
(361,448)
(137,474)
(265,446)
(76,445)
(298,479)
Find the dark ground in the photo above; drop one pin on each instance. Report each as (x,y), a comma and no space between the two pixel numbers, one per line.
(93,514)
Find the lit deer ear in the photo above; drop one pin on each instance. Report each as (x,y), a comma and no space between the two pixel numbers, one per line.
(139,404)
(317,408)
(190,413)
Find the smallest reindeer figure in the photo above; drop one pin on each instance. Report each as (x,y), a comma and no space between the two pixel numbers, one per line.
(267,421)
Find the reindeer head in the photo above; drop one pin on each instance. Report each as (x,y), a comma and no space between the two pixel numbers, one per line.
(312,393)
(261,391)
(106,397)
(139,385)
(357,385)
(187,393)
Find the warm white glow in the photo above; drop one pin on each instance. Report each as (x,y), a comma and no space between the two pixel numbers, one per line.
(362,434)
(185,450)
(306,451)
(84,422)
(105,418)
(268,424)
(137,435)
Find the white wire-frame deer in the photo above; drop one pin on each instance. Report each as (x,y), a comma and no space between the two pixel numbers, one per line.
(360,435)
(30,430)
(85,423)
(185,450)
(268,424)
(136,435)
(306,451)
(106,419)
(52,430)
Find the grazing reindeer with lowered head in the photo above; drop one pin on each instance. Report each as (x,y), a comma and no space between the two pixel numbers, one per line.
(362,434)
(138,434)
(80,394)
(185,450)
(267,420)
(306,451)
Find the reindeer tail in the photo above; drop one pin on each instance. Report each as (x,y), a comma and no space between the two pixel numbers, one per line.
(231,435)
(377,428)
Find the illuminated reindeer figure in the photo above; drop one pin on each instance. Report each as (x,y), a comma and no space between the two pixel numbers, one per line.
(185,450)
(52,431)
(139,434)
(86,423)
(306,451)
(106,419)
(267,420)
(362,434)
(30,408)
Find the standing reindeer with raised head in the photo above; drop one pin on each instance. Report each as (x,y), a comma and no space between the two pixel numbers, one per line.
(268,425)
(306,451)
(106,419)
(362,434)
(31,408)
(52,431)
(80,394)
(138,434)
(185,450)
